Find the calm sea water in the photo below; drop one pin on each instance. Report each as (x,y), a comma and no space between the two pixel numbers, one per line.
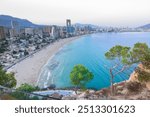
(89,51)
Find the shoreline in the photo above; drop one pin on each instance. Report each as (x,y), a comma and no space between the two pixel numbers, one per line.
(29,69)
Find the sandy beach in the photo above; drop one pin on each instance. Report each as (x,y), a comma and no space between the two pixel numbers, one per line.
(28,70)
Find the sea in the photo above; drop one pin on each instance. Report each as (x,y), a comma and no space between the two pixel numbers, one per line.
(89,50)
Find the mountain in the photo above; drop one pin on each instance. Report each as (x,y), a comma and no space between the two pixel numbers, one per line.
(6,20)
(147,26)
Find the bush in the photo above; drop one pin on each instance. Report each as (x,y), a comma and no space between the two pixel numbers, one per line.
(143,76)
(6,97)
(7,79)
(26,88)
(134,86)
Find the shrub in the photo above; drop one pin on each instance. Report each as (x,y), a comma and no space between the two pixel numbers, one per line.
(134,86)
(26,88)
(6,97)
(143,76)
(7,79)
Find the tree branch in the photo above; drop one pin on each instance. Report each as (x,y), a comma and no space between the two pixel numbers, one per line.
(115,66)
(121,70)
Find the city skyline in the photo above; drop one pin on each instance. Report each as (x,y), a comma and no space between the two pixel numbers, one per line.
(117,13)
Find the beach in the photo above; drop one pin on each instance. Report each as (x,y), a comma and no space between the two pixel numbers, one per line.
(28,70)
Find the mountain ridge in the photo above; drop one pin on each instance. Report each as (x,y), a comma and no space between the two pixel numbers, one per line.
(147,26)
(5,20)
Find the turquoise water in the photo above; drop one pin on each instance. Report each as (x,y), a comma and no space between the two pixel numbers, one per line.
(89,51)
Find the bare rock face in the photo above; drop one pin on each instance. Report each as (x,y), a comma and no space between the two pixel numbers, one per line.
(133,77)
(87,95)
(69,98)
(82,95)
(105,92)
(148,85)
(56,95)
(119,88)
(124,92)
(91,91)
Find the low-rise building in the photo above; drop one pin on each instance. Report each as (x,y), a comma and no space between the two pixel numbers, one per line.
(47,31)
(39,32)
(29,31)
(62,32)
(13,32)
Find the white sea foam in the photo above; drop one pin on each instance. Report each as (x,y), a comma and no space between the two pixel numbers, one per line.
(48,75)
(45,72)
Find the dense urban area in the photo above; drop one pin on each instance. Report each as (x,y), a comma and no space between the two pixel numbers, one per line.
(17,42)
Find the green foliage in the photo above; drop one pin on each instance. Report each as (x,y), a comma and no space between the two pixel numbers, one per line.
(118,52)
(146,61)
(28,88)
(80,75)
(140,52)
(18,94)
(6,97)
(7,79)
(143,76)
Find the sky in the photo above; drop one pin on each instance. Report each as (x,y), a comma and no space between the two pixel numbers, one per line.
(116,13)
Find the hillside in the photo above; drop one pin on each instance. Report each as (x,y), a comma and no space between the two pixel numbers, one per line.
(147,26)
(5,20)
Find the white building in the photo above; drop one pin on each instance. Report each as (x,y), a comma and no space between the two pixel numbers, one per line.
(29,31)
(54,32)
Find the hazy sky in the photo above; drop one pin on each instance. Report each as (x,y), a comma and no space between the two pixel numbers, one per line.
(130,13)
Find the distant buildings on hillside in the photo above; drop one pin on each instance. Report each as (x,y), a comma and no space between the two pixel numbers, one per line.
(52,31)
(55,32)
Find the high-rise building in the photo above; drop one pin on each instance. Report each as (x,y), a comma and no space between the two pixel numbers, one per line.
(62,32)
(6,31)
(47,31)
(13,33)
(15,29)
(54,32)
(2,32)
(70,29)
(68,23)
